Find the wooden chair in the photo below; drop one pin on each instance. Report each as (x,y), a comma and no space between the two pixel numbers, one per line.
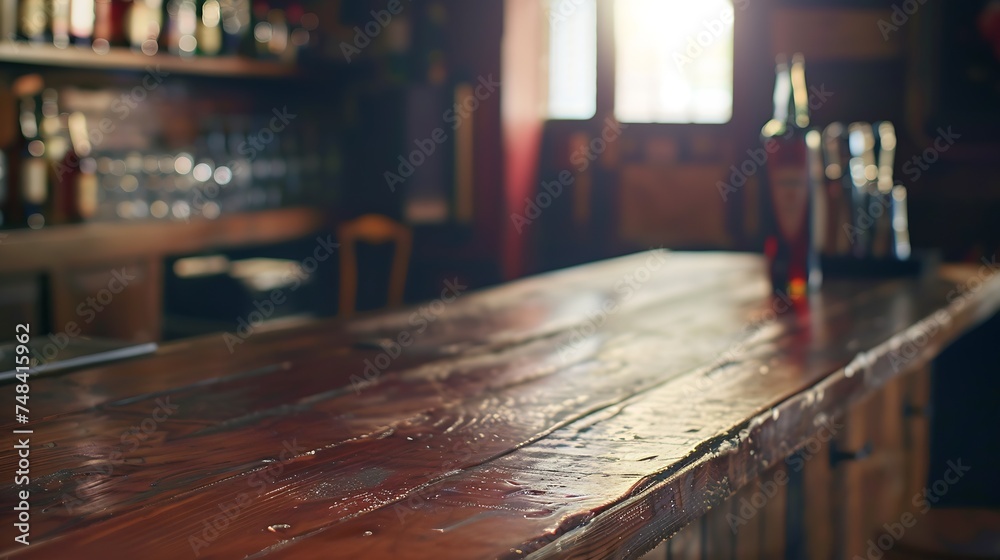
(373,229)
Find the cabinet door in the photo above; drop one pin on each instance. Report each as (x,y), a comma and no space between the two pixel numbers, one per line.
(20,303)
(120,301)
(876,489)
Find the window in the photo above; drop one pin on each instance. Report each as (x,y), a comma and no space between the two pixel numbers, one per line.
(673,60)
(572,59)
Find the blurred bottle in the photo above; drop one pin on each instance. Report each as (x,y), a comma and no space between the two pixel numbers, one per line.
(110,28)
(8,20)
(64,171)
(277,46)
(85,188)
(262,31)
(864,173)
(33,20)
(235,25)
(144,25)
(33,169)
(161,187)
(182,25)
(81,21)
(885,148)
(60,23)
(838,191)
(209,32)
(298,37)
(134,187)
(789,152)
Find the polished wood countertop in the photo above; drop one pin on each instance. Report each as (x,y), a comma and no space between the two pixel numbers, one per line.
(587,413)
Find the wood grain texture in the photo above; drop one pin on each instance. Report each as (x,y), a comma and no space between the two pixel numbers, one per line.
(96,244)
(588,413)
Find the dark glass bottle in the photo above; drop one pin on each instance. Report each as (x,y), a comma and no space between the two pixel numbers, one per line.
(235,25)
(209,27)
(790,149)
(110,24)
(181,21)
(33,171)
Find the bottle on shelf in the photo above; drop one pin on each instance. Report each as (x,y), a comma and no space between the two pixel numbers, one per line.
(8,20)
(209,33)
(61,17)
(298,35)
(277,46)
(262,32)
(33,20)
(790,149)
(65,173)
(182,27)
(81,21)
(33,168)
(101,40)
(86,186)
(144,24)
(235,24)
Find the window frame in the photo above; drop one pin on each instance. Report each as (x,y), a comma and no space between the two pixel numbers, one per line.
(607,72)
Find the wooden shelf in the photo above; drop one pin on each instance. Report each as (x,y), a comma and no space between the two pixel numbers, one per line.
(65,246)
(124,59)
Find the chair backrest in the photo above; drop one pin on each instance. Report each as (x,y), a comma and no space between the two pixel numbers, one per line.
(373,229)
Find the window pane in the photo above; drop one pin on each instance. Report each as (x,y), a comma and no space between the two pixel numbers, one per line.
(572,59)
(674,61)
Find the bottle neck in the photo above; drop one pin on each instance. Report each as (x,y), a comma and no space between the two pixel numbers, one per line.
(782,94)
(800,93)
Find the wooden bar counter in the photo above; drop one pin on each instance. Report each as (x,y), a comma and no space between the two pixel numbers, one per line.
(587,413)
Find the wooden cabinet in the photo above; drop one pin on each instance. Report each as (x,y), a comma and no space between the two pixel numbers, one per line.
(840,490)
(106,280)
